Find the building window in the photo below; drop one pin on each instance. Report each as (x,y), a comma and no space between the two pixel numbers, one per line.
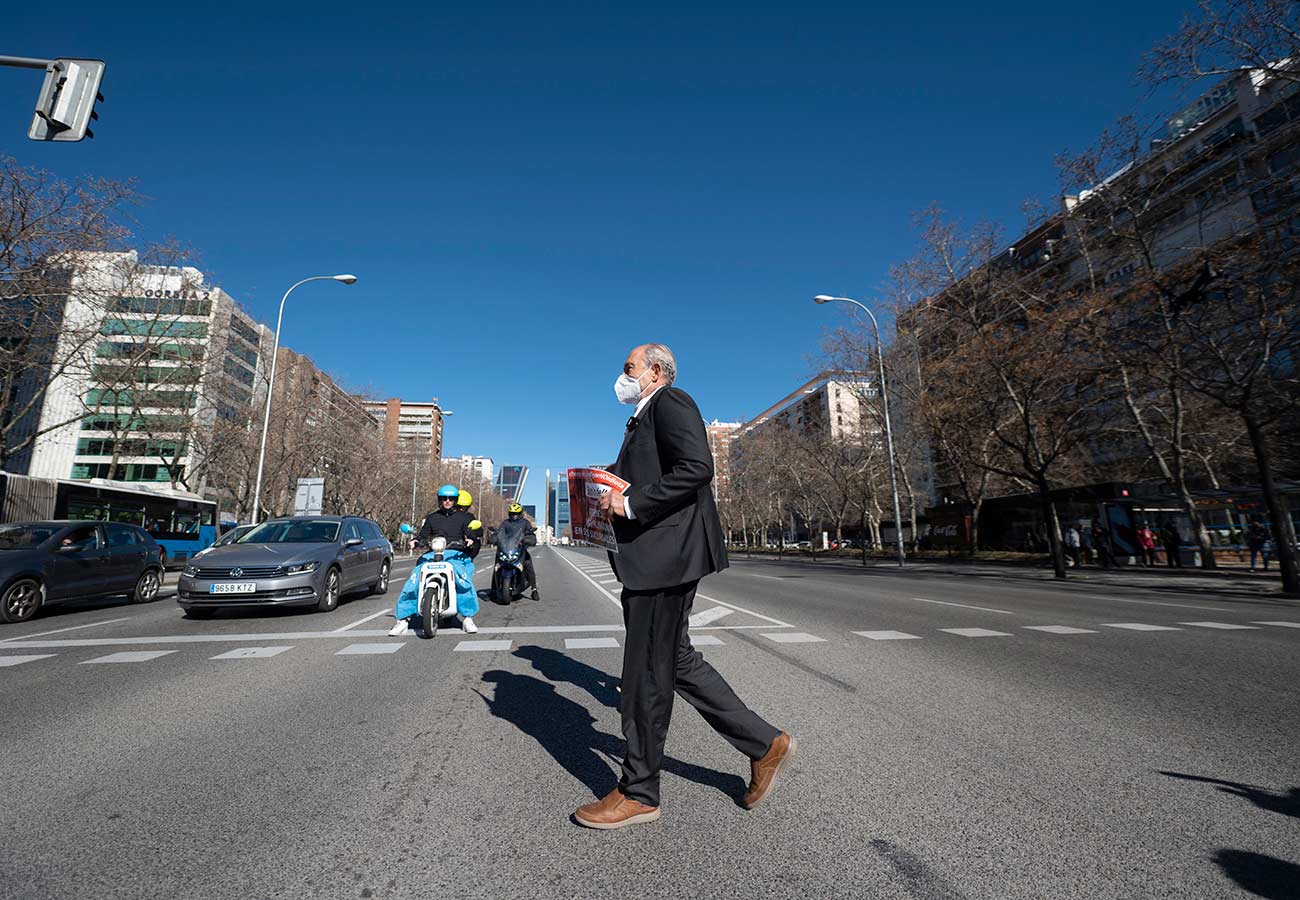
(166,306)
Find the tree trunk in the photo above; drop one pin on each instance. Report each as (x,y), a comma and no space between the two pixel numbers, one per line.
(1279,516)
(975,526)
(1053,531)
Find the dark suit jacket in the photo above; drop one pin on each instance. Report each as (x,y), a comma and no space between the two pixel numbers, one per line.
(676,536)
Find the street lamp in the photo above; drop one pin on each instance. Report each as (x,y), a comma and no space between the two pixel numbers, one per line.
(889,431)
(270,388)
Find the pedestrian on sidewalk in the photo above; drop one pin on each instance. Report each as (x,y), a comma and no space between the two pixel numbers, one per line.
(1170,538)
(1255,540)
(669,537)
(1146,545)
(1267,551)
(1072,545)
(1101,540)
(1085,543)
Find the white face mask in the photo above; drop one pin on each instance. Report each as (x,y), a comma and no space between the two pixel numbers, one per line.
(628,389)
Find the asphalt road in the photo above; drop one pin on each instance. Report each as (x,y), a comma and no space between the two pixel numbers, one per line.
(961,735)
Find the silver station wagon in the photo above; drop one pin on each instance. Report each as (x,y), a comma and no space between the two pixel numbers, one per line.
(298,561)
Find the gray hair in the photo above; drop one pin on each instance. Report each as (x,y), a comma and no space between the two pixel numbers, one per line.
(660,354)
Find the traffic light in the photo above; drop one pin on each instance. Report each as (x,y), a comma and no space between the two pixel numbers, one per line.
(67,102)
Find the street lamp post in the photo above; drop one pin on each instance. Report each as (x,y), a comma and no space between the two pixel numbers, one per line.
(889,431)
(270,388)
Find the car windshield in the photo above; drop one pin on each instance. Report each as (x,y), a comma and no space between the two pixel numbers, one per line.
(293,532)
(25,537)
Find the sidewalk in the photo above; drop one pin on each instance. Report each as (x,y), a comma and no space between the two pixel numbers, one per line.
(1223,581)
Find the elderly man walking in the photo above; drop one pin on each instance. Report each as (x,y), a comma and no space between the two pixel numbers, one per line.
(669,537)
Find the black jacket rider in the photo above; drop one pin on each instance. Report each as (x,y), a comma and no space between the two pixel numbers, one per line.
(452,524)
(515,530)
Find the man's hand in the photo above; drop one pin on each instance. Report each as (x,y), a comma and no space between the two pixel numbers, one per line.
(613,504)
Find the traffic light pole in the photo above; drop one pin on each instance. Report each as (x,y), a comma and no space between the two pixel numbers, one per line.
(24,62)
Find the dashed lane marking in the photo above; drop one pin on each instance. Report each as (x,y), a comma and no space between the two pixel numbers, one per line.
(1281,624)
(368,649)
(705,640)
(483,645)
(1138,626)
(19,660)
(794,637)
(251,653)
(25,637)
(385,611)
(975,632)
(1005,612)
(590,644)
(129,656)
(888,635)
(1061,629)
(1222,626)
(704,617)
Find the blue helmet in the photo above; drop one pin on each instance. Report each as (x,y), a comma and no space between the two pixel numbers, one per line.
(448,490)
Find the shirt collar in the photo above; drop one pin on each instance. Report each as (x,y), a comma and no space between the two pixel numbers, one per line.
(641,404)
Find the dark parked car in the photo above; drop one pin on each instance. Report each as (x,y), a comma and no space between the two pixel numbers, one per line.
(299,561)
(46,562)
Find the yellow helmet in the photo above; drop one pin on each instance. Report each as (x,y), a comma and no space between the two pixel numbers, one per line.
(464,499)
(516,508)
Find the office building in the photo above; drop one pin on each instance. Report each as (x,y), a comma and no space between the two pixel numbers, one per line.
(557,505)
(510,482)
(412,429)
(171,354)
(720,435)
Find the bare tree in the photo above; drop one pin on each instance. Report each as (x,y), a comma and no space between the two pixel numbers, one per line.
(48,228)
(1226,35)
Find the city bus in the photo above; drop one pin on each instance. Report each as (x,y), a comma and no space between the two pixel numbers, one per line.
(182,523)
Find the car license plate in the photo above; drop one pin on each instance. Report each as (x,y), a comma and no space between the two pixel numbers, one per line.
(233,587)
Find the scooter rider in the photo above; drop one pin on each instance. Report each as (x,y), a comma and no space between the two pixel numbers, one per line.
(517,528)
(464,501)
(456,526)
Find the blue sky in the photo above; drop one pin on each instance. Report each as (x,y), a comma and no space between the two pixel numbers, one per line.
(527,190)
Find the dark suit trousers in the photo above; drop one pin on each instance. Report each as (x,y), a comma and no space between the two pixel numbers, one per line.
(658,660)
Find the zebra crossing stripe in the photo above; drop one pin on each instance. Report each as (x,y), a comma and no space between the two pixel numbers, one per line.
(1281,624)
(705,640)
(128,656)
(1222,626)
(483,645)
(251,653)
(975,632)
(1138,626)
(605,643)
(368,649)
(888,635)
(1061,629)
(794,637)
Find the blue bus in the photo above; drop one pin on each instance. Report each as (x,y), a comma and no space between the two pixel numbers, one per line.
(182,523)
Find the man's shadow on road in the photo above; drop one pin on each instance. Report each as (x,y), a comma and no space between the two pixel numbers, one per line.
(567,732)
(554,666)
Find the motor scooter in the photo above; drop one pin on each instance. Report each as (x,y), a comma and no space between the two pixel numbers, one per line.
(508,578)
(437,587)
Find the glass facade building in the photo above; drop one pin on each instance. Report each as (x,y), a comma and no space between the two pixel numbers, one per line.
(510,482)
(557,505)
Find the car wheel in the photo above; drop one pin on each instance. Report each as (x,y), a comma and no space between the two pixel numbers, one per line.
(381,586)
(21,600)
(329,600)
(200,612)
(146,589)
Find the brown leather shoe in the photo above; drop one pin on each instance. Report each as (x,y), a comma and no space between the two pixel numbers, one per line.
(765,772)
(615,811)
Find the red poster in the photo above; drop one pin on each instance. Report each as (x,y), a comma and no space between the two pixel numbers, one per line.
(585,489)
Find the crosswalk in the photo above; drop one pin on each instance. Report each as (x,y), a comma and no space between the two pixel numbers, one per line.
(586,644)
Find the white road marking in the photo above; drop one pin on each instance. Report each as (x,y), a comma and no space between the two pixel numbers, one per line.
(794,637)
(1061,629)
(1138,626)
(483,645)
(129,656)
(26,637)
(705,640)
(1222,626)
(1005,612)
(746,611)
(888,635)
(19,660)
(382,612)
(1155,603)
(251,653)
(608,594)
(975,632)
(708,616)
(590,644)
(367,649)
(1281,624)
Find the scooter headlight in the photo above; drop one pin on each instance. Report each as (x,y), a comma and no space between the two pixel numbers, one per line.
(439,544)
